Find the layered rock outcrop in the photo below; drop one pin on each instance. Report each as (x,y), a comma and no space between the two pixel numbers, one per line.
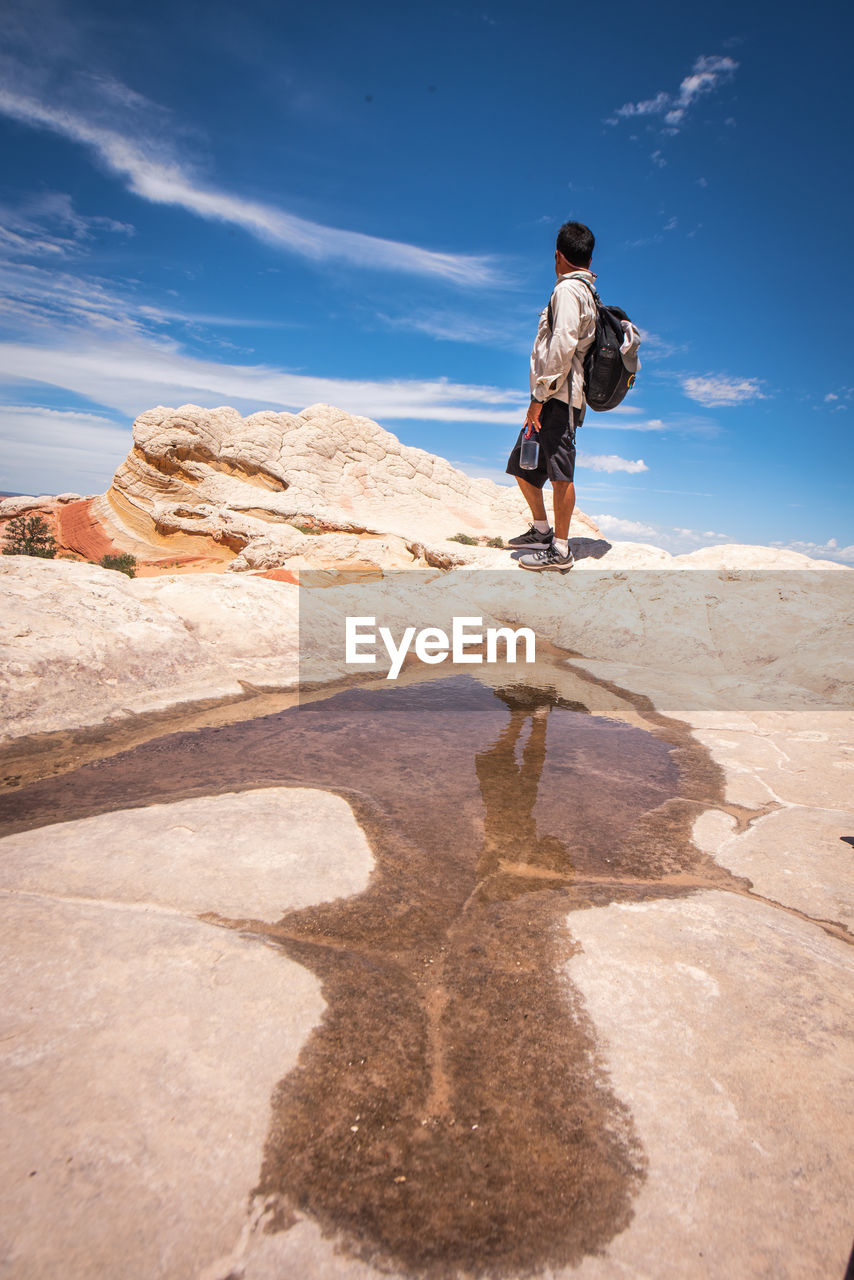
(316,488)
(208,490)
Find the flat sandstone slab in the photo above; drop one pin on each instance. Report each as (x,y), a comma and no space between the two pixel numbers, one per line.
(793,856)
(141,1046)
(727,1026)
(140,1053)
(245,854)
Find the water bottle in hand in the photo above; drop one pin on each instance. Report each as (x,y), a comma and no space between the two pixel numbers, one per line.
(529,454)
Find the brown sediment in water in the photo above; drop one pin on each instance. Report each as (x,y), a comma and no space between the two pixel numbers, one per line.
(450,1113)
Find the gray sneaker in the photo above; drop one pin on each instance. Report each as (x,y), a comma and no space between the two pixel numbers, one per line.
(531,539)
(548,558)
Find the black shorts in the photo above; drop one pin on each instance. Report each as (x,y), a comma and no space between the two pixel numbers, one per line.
(557,446)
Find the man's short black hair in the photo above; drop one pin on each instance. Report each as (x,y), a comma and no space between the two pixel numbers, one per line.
(576,243)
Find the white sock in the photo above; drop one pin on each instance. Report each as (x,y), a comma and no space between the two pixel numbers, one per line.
(541,526)
(561,546)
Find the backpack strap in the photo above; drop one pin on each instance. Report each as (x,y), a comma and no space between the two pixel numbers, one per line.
(550,321)
(550,316)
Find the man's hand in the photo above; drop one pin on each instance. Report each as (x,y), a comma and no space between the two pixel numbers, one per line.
(532,418)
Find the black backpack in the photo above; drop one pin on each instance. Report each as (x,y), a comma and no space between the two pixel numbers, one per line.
(606,378)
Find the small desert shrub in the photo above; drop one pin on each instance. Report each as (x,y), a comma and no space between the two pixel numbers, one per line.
(29,536)
(124,564)
(465,539)
(307,528)
(496,542)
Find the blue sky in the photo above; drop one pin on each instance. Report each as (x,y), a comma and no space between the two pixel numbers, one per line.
(268,205)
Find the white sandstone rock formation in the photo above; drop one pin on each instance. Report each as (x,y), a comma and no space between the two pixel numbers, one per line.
(265,486)
(24,504)
(206,489)
(81,645)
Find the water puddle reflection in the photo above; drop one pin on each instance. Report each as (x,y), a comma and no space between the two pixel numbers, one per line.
(450,1113)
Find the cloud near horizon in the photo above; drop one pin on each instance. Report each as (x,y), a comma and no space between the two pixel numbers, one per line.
(152,171)
(829,550)
(68,450)
(671,539)
(628,528)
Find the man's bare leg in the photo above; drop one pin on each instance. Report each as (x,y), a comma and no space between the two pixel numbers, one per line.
(564,499)
(534,498)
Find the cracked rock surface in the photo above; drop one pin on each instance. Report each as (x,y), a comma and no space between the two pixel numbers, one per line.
(543,973)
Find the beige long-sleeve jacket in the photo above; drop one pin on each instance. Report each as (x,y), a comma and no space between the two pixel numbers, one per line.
(557,359)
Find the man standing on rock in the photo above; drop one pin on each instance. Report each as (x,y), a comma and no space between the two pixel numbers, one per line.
(567,328)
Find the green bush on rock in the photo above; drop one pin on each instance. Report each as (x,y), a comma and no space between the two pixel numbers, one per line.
(29,536)
(124,564)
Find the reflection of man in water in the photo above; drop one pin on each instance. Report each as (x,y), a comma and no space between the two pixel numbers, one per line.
(513,859)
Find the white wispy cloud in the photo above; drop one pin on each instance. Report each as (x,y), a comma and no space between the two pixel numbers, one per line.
(681,541)
(53,450)
(658,348)
(48,225)
(656,237)
(707,74)
(132,374)
(685,424)
(719,389)
(450,326)
(36,299)
(97,339)
(839,399)
(610,462)
(152,170)
(113,359)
